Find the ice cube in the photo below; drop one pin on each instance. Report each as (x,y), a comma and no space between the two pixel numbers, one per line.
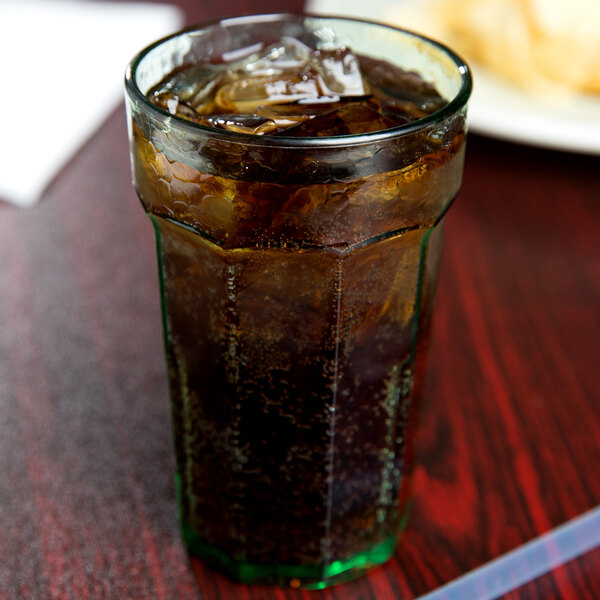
(346,116)
(191,85)
(286,54)
(338,72)
(243,96)
(285,115)
(254,124)
(400,90)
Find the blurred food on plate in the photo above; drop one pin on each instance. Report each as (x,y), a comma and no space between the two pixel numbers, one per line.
(538,45)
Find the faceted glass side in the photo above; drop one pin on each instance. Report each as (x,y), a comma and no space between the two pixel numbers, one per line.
(291,376)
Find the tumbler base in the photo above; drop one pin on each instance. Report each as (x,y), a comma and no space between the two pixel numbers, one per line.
(308,577)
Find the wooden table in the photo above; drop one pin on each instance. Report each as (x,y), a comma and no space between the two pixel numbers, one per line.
(510,438)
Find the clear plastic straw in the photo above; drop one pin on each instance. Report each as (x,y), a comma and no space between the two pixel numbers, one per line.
(525,563)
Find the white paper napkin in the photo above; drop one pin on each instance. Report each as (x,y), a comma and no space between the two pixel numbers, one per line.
(62,64)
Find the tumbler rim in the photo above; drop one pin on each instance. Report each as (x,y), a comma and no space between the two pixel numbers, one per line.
(453,106)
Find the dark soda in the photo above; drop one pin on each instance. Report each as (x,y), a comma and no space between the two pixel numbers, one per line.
(297,286)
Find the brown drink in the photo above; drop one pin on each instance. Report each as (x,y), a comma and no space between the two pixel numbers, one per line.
(297,284)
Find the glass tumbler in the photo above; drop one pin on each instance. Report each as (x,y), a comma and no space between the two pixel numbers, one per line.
(297,278)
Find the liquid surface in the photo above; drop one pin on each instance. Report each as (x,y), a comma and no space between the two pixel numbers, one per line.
(293,90)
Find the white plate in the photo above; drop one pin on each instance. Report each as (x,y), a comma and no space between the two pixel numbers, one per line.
(498,109)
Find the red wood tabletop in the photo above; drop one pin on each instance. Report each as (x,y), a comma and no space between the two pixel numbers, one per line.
(509,445)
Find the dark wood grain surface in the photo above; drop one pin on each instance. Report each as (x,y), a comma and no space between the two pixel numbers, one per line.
(509,444)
